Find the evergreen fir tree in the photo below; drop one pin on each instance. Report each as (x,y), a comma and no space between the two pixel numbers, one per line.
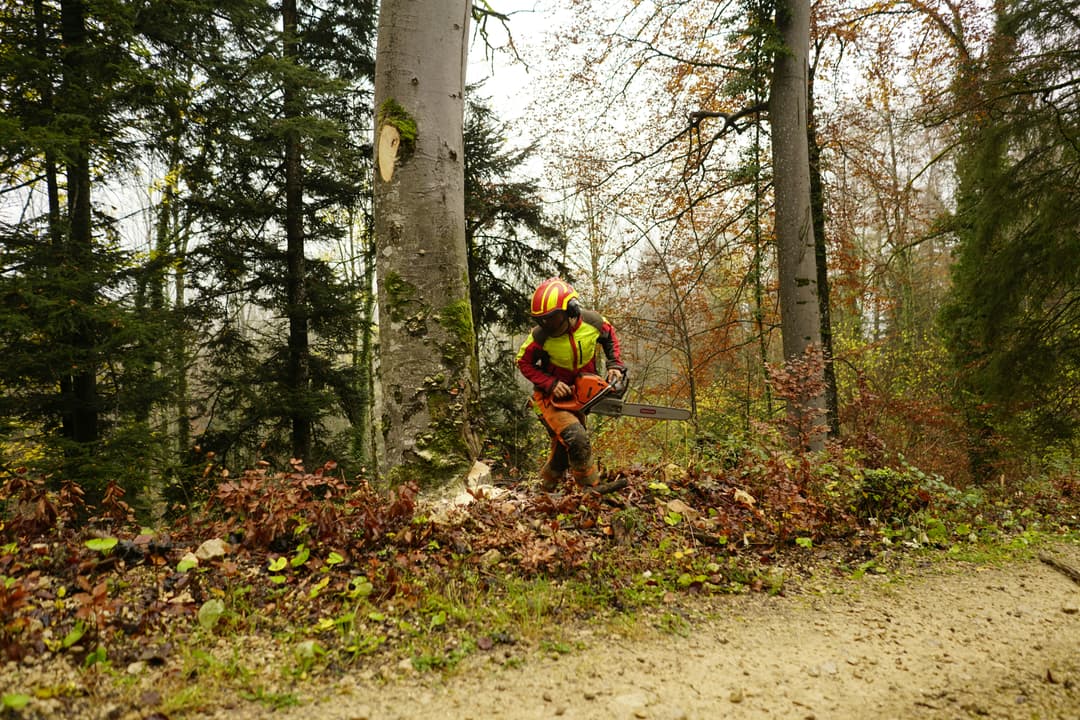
(512,245)
(69,324)
(1013,321)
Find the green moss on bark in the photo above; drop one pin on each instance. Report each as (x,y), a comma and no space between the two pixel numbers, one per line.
(392,113)
(456,319)
(442,452)
(400,294)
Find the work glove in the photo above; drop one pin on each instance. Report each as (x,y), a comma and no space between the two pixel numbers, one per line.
(561,390)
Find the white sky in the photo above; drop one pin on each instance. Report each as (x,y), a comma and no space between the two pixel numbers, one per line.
(507,82)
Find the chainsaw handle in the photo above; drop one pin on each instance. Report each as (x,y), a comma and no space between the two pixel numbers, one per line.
(620,386)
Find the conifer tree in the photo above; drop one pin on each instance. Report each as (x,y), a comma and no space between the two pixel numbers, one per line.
(1013,318)
(512,245)
(282,152)
(69,327)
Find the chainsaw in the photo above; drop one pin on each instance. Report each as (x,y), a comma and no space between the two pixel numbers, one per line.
(593,394)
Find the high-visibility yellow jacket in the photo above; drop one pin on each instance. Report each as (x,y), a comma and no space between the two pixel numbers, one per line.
(546,360)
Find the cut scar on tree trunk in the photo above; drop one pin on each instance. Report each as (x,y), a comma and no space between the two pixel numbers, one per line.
(389,141)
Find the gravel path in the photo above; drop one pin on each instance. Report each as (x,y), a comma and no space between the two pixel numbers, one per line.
(956,641)
(946,640)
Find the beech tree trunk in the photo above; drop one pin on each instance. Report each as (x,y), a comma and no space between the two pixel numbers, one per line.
(800,314)
(427,355)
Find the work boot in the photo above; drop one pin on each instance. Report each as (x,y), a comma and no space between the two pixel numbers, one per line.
(550,479)
(587,477)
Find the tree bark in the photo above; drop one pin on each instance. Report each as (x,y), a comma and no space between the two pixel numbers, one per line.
(299,369)
(800,312)
(78,384)
(427,351)
(817,207)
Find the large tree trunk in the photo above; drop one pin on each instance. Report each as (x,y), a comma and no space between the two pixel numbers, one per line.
(299,369)
(800,314)
(427,354)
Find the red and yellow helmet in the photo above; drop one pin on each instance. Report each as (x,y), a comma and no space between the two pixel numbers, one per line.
(551,295)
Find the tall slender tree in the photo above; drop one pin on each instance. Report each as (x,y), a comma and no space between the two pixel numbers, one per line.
(512,245)
(78,384)
(296,300)
(821,258)
(799,308)
(283,138)
(69,86)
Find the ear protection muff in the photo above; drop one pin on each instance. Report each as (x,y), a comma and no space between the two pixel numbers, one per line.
(573,308)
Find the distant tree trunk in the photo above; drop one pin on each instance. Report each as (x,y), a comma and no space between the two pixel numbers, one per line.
(52,185)
(800,312)
(427,351)
(172,246)
(759,285)
(78,383)
(179,354)
(817,207)
(360,271)
(299,369)
(364,360)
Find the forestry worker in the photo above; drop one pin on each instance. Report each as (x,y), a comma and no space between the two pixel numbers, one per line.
(559,349)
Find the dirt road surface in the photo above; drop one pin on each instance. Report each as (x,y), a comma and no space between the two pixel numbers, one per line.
(936,640)
(949,640)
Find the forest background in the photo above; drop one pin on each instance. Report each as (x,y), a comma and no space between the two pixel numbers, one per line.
(160,317)
(189,275)
(192,392)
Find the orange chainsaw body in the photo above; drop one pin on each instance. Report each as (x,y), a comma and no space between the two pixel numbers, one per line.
(588,389)
(593,394)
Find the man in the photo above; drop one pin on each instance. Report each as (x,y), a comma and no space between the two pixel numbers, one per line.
(560,348)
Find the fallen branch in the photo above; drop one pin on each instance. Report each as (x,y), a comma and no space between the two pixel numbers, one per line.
(1070,571)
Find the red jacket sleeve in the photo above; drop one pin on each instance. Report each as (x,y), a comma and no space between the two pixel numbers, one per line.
(610,342)
(528,364)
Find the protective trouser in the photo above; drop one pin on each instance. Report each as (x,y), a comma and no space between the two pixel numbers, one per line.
(570,446)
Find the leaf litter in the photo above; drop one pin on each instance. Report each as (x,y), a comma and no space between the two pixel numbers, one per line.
(293,585)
